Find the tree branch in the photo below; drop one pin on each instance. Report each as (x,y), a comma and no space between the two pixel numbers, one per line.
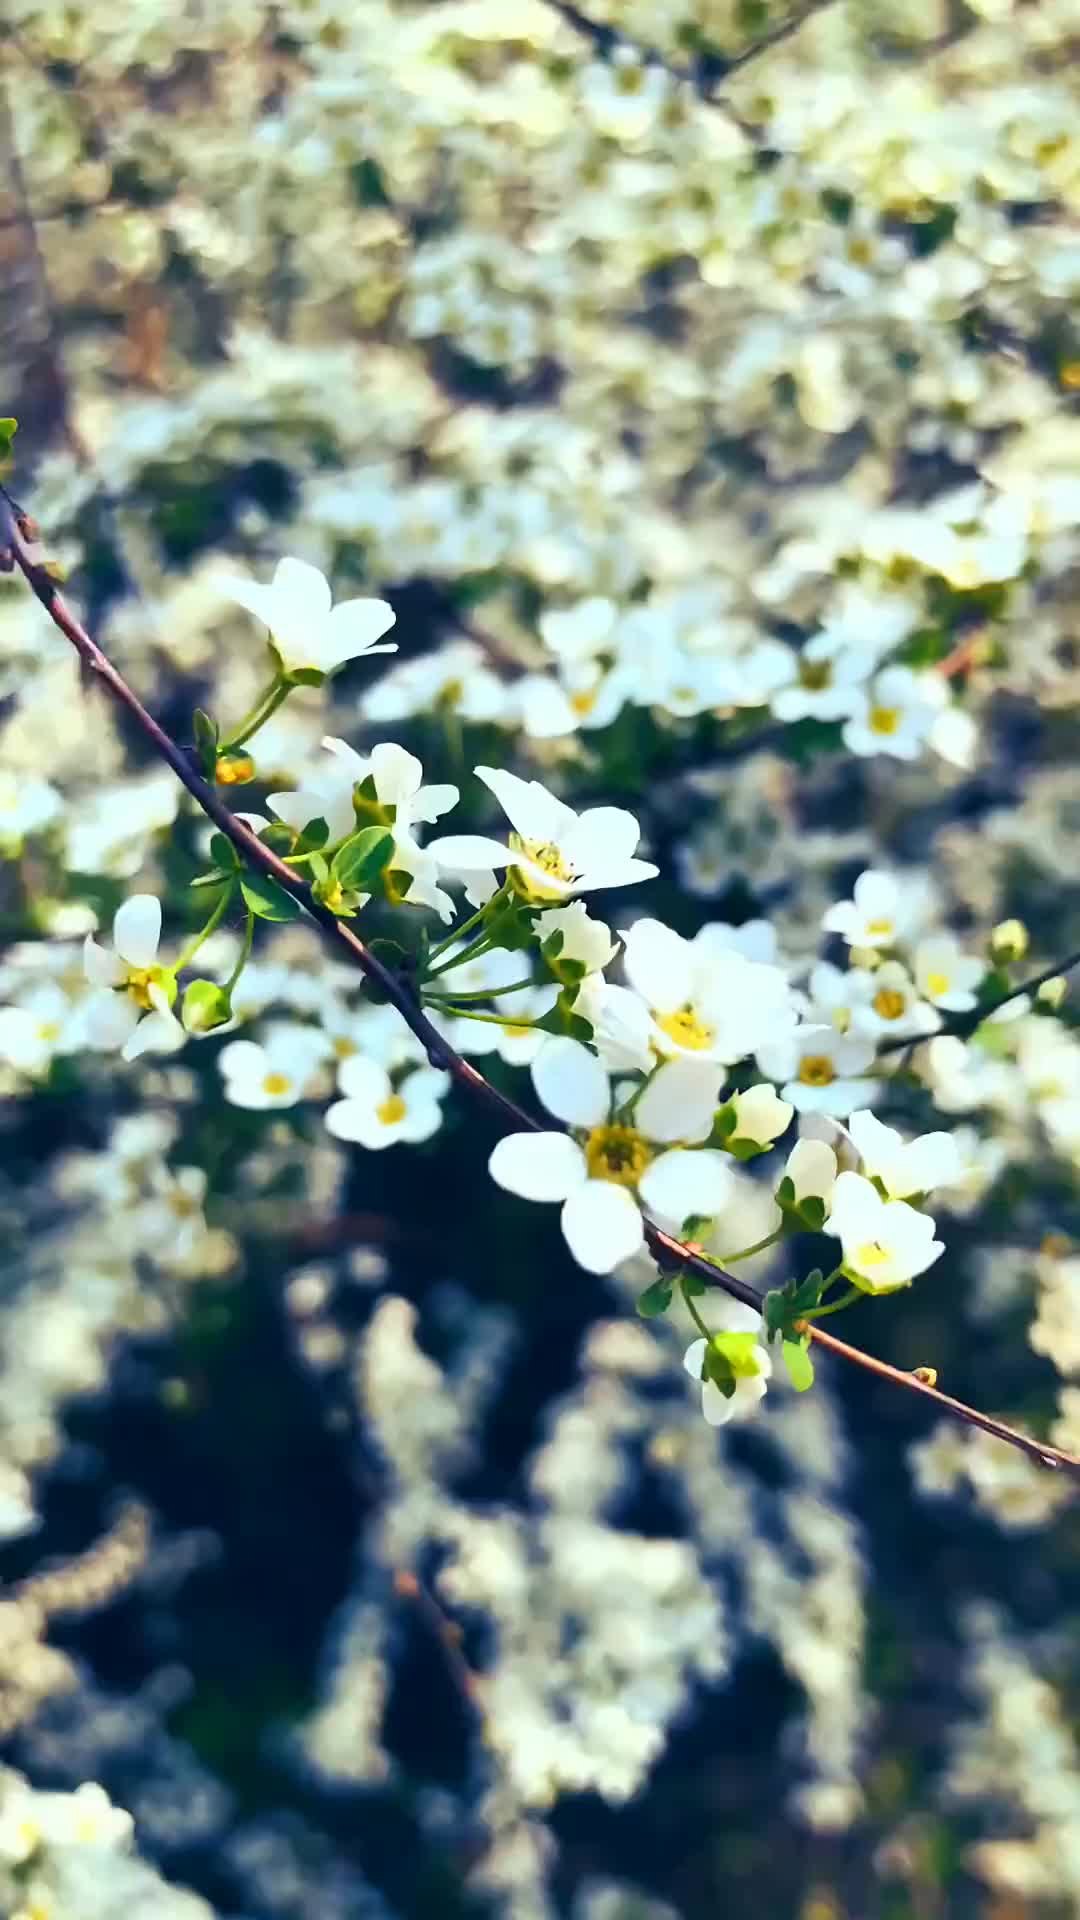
(965,1024)
(17,539)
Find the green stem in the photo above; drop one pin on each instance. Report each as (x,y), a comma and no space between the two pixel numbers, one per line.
(193,945)
(759,1246)
(268,703)
(465,1013)
(245,953)
(692,1310)
(482,993)
(474,952)
(456,933)
(845,1300)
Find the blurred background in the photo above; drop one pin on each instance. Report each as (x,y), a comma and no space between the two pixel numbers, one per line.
(372,1555)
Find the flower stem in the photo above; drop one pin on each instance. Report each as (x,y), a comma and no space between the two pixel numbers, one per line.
(692,1310)
(456,933)
(482,993)
(466,1013)
(845,1300)
(481,946)
(188,953)
(245,953)
(759,1246)
(268,703)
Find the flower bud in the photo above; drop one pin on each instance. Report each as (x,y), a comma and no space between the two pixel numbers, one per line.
(234,768)
(1052,993)
(1008,942)
(205,1006)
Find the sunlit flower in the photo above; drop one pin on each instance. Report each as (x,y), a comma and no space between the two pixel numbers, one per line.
(276,1073)
(308,633)
(946,975)
(132,1008)
(883,911)
(895,715)
(377,1112)
(553,851)
(821,1069)
(704,999)
(903,1166)
(886,1243)
(617,1154)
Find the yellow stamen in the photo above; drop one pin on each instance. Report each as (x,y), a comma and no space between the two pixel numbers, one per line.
(549,859)
(391,1110)
(815,675)
(884,719)
(583,703)
(937,983)
(870,1254)
(889,1003)
(686,1029)
(816,1070)
(618,1154)
(275,1083)
(881,929)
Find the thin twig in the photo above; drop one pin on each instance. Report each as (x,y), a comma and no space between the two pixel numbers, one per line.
(965,1024)
(672,1255)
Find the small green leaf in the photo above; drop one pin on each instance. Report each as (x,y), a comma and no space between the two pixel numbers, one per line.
(206,734)
(813,1211)
(8,428)
(799,1364)
(358,864)
(655,1299)
(223,852)
(315,834)
(205,1006)
(278,837)
(267,900)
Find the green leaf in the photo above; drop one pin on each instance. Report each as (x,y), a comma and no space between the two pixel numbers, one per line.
(315,835)
(508,923)
(223,852)
(278,837)
(205,1006)
(799,1364)
(813,1211)
(206,733)
(655,1299)
(8,428)
(561,1018)
(267,900)
(783,1306)
(358,864)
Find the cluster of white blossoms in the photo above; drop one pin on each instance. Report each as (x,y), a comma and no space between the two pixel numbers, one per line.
(68,1853)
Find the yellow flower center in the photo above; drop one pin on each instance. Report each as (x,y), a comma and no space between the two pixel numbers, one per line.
(344,1047)
(816,1070)
(139,982)
(1070,375)
(275,1083)
(937,983)
(888,1003)
(884,719)
(549,859)
(687,1029)
(583,703)
(881,929)
(815,675)
(870,1254)
(48,1030)
(391,1110)
(617,1153)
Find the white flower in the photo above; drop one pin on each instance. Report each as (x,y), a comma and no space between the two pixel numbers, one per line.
(946,975)
(132,1008)
(596,1178)
(903,1166)
(759,1115)
(85,1818)
(26,806)
(887,1003)
(554,851)
(730,1316)
(896,714)
(883,911)
(811,1168)
(704,999)
(621,1024)
(886,1243)
(375,1113)
(585,695)
(306,633)
(827,678)
(276,1073)
(401,799)
(586,943)
(820,1069)
(42,1025)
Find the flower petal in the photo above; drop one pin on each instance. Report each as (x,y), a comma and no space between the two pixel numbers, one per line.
(682,1183)
(301,588)
(538,1166)
(571,1082)
(469,853)
(680,1101)
(109,1019)
(602,1226)
(531,810)
(364,1080)
(137,930)
(102,967)
(659,964)
(157,1033)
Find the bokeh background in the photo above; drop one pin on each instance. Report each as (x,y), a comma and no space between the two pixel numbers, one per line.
(373,1556)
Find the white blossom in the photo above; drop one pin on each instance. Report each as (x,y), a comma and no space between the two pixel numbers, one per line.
(132,1007)
(553,851)
(886,1243)
(377,1111)
(308,633)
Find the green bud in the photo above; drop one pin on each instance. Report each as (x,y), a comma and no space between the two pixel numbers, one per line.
(1008,942)
(205,1006)
(1052,993)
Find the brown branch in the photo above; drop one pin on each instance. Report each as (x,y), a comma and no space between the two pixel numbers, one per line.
(16,545)
(707,72)
(965,1024)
